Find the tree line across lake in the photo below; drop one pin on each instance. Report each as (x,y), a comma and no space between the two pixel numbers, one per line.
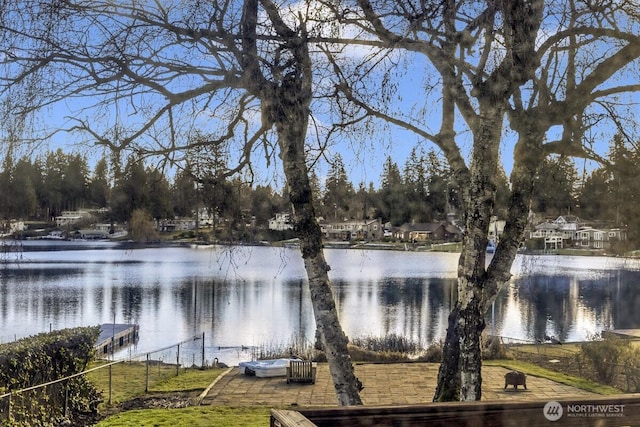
(422,190)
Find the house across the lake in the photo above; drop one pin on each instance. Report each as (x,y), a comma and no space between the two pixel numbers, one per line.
(356,229)
(441,231)
(570,232)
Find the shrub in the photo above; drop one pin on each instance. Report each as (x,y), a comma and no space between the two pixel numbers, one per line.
(49,357)
(606,357)
(433,354)
(494,349)
(632,370)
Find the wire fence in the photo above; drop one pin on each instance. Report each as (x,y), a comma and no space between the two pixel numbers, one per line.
(116,380)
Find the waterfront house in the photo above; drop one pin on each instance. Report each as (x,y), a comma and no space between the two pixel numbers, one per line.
(355,229)
(70,217)
(428,232)
(569,231)
(281,222)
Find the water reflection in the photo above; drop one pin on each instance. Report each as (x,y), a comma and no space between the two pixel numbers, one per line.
(258,296)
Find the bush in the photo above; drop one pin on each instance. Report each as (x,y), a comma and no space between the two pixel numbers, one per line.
(433,354)
(494,349)
(44,358)
(632,370)
(606,357)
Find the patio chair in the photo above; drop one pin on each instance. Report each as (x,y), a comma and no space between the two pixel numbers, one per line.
(301,371)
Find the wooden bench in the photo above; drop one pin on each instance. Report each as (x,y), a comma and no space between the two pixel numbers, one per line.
(301,371)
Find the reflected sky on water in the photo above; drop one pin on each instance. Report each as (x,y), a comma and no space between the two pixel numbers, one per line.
(257,296)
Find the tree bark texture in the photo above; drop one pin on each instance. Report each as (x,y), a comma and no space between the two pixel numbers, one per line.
(459,377)
(291,123)
(287,106)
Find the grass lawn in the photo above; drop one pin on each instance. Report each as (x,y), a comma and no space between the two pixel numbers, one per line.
(192,416)
(537,371)
(128,381)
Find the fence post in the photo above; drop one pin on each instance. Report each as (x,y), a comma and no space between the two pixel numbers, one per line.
(178,361)
(146,385)
(202,366)
(110,382)
(65,407)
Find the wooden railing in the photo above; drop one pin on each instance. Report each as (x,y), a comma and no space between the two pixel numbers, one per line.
(601,411)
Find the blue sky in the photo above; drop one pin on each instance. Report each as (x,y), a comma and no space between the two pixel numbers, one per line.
(364,153)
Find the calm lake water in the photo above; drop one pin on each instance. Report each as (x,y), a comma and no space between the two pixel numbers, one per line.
(243,297)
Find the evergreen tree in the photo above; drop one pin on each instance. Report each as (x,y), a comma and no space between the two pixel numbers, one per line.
(596,197)
(131,191)
(265,203)
(625,167)
(393,202)
(364,202)
(554,188)
(186,198)
(7,208)
(23,189)
(75,173)
(53,196)
(338,191)
(416,186)
(98,186)
(316,194)
(438,178)
(160,203)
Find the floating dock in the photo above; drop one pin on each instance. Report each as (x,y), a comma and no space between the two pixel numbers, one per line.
(114,336)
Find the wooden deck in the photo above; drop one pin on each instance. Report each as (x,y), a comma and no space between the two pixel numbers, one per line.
(601,411)
(114,336)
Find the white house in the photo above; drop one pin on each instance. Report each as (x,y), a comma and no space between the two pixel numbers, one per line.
(70,217)
(357,229)
(281,222)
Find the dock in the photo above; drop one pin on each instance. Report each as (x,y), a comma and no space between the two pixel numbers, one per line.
(114,336)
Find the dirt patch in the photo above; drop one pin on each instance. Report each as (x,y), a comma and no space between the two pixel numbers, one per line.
(165,401)
(152,401)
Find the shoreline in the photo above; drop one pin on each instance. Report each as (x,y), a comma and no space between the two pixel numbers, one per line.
(29,245)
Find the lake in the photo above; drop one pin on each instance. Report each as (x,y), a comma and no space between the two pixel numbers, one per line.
(242,297)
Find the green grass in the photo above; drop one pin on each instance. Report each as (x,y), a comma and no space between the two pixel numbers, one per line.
(194,416)
(189,380)
(128,380)
(537,371)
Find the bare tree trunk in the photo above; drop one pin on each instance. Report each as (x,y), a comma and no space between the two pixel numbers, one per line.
(291,123)
(459,377)
(286,98)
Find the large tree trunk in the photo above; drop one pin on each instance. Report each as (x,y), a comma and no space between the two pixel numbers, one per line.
(292,124)
(459,377)
(289,110)
(286,97)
